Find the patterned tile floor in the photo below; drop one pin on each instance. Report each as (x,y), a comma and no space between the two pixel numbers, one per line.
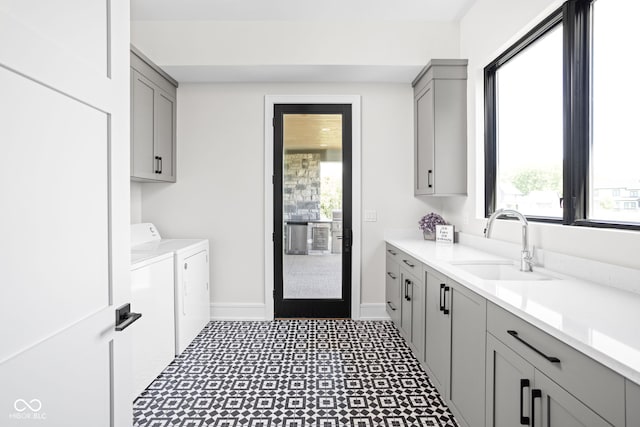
(295,373)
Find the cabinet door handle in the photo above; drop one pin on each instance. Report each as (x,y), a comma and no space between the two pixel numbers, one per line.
(391,306)
(408,263)
(524,383)
(391,252)
(551,359)
(391,275)
(440,302)
(429,178)
(407,282)
(160,158)
(157,164)
(535,394)
(444,306)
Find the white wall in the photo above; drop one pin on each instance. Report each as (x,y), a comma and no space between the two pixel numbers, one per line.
(489,28)
(219,193)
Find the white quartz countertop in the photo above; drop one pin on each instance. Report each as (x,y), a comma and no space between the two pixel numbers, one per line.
(600,321)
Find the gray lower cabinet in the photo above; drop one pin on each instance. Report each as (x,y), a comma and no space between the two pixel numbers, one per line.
(633,404)
(455,346)
(438,330)
(413,319)
(567,388)
(518,394)
(153,122)
(440,118)
(392,289)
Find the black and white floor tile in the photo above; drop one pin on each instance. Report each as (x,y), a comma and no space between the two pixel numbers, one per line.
(297,373)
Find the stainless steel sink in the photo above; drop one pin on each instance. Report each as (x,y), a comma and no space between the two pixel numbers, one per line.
(500,270)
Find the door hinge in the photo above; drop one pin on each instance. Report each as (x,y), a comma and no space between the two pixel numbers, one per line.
(273,237)
(273,179)
(274,293)
(273,122)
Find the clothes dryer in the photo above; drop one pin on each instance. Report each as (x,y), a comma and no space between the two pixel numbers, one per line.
(191,278)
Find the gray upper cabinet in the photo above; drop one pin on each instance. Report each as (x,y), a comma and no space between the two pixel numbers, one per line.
(153,121)
(440,121)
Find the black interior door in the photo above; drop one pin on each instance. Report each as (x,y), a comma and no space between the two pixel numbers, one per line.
(312,210)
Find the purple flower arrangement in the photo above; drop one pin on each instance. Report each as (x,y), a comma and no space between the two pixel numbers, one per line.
(428,222)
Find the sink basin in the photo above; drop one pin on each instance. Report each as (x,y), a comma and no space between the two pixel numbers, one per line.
(500,270)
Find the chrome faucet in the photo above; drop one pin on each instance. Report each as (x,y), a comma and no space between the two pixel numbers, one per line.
(526,260)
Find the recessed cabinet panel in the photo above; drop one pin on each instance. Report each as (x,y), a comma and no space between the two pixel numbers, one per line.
(468,331)
(165,135)
(424,150)
(142,126)
(438,330)
(392,290)
(557,407)
(509,383)
(633,404)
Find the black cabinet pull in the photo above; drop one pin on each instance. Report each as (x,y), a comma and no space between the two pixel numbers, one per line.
(391,275)
(391,306)
(524,383)
(445,310)
(429,178)
(407,282)
(441,303)
(535,394)
(408,263)
(125,318)
(391,252)
(551,359)
(157,164)
(160,158)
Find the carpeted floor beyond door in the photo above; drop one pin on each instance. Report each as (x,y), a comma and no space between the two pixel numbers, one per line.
(298,373)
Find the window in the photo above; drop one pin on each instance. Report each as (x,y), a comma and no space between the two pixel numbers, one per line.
(560,112)
(616,146)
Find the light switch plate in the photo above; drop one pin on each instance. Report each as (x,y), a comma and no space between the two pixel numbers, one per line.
(370,216)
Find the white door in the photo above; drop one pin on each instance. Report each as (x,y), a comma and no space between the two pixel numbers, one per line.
(64,213)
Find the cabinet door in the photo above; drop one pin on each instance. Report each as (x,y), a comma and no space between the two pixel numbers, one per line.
(392,291)
(424,141)
(633,404)
(142,127)
(418,318)
(165,135)
(468,338)
(438,332)
(406,306)
(508,388)
(558,408)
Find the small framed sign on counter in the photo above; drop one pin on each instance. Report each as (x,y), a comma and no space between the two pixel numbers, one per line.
(445,233)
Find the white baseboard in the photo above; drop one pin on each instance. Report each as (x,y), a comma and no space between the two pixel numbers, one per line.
(230,311)
(373,312)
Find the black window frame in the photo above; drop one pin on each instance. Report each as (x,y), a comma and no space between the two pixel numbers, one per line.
(576,19)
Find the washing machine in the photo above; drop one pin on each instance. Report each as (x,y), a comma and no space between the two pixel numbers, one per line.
(191,278)
(152,294)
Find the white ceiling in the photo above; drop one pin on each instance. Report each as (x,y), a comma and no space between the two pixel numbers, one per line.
(299,10)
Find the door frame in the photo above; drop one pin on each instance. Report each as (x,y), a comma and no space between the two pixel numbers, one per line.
(356,184)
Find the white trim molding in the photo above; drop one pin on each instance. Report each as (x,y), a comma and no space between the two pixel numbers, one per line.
(229,311)
(356,169)
(373,312)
